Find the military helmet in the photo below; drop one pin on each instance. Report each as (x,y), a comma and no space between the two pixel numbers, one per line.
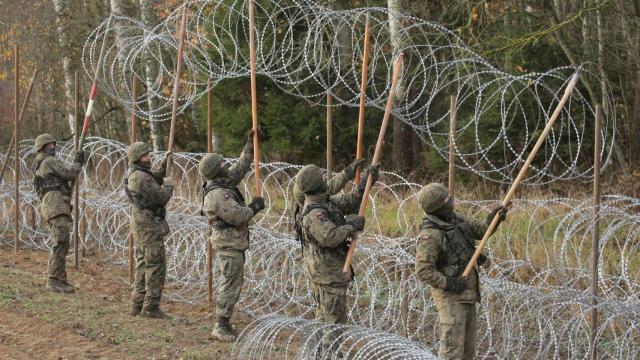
(43,140)
(136,150)
(210,166)
(309,179)
(432,196)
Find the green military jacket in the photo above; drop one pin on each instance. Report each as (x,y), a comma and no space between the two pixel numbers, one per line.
(55,203)
(228,213)
(324,234)
(147,225)
(441,253)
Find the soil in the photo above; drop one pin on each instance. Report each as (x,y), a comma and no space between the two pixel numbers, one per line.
(93,322)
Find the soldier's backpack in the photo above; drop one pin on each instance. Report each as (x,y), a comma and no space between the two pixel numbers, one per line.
(138,201)
(211,185)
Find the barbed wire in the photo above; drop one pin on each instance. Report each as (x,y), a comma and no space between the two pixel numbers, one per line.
(536,295)
(309,50)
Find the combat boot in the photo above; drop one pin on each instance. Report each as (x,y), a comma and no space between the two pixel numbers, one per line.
(222,331)
(154,312)
(136,307)
(58,287)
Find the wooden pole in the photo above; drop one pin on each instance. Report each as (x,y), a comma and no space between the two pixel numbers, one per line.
(16,160)
(363,95)
(329,135)
(13,136)
(376,154)
(76,195)
(133,139)
(596,234)
(523,172)
(176,87)
(452,146)
(404,304)
(210,229)
(254,98)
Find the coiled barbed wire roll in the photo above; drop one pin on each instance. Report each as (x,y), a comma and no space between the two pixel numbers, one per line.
(295,337)
(536,299)
(308,49)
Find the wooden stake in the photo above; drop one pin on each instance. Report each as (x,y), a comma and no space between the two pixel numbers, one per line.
(254,98)
(76,195)
(377,153)
(133,139)
(176,87)
(452,146)
(209,229)
(16,160)
(363,96)
(404,304)
(595,251)
(523,172)
(329,135)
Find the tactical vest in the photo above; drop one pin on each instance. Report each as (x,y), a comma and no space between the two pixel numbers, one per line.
(138,200)
(211,185)
(463,248)
(335,215)
(50,182)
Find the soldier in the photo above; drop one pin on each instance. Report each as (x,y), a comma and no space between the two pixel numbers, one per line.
(444,247)
(149,192)
(326,236)
(224,205)
(51,181)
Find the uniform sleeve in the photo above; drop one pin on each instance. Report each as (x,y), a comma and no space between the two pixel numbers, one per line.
(478,228)
(228,210)
(62,170)
(325,231)
(242,167)
(427,252)
(154,193)
(337,182)
(348,203)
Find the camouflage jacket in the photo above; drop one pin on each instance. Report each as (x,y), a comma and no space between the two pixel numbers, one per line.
(52,170)
(324,234)
(444,250)
(226,209)
(148,222)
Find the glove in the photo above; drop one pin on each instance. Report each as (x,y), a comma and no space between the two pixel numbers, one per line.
(357,222)
(256,204)
(455,285)
(501,210)
(79,157)
(483,260)
(350,170)
(167,182)
(373,171)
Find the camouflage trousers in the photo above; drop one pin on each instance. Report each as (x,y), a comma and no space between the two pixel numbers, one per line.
(59,228)
(232,272)
(151,270)
(457,331)
(331,308)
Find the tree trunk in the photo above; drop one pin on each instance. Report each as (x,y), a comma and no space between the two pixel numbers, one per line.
(65,29)
(150,20)
(402,152)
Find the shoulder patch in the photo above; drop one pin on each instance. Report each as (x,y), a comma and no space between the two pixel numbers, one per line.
(320,215)
(426,237)
(227,196)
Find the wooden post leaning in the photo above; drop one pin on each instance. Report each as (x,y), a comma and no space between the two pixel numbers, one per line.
(209,229)
(595,246)
(376,156)
(523,172)
(363,96)
(254,98)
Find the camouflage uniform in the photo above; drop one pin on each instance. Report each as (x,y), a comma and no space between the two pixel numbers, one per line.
(444,247)
(149,194)
(52,183)
(326,236)
(224,206)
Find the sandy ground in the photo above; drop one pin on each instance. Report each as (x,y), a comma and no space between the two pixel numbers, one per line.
(93,323)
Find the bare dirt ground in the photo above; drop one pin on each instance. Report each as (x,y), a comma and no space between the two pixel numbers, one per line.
(93,323)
